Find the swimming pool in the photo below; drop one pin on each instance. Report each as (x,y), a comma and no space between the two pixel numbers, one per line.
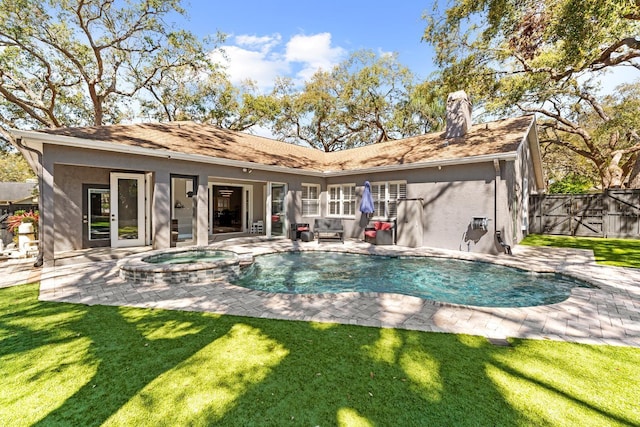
(438,279)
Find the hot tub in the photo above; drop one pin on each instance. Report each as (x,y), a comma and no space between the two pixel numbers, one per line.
(180,266)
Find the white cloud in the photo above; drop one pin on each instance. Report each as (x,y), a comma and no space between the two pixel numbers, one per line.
(259,66)
(314,52)
(253,58)
(263,58)
(264,43)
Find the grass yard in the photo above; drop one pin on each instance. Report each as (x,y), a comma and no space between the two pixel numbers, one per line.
(67,364)
(615,252)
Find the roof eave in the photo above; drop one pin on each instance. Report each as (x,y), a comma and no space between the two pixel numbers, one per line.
(158,153)
(536,154)
(153,152)
(507,156)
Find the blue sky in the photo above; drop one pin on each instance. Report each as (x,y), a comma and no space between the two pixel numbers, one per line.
(273,38)
(294,38)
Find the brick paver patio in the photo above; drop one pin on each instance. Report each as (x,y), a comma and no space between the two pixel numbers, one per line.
(608,314)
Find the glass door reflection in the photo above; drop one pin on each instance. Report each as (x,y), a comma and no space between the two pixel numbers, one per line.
(278,214)
(127,210)
(99,209)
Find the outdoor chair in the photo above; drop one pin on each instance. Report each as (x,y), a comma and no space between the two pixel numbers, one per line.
(296,230)
(380,233)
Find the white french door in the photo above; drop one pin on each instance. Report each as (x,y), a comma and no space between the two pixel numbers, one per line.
(127,210)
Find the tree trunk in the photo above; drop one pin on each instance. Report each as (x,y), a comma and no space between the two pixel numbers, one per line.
(615,171)
(98,109)
(634,177)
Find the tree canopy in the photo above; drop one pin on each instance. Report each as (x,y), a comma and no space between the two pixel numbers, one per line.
(363,100)
(96,62)
(549,57)
(14,168)
(207,96)
(80,62)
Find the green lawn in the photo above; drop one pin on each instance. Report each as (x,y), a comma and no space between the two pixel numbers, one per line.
(616,252)
(68,364)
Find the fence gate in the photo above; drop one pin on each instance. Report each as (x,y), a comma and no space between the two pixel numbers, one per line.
(551,215)
(614,213)
(623,214)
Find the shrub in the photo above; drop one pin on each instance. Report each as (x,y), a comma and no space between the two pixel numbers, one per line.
(19,217)
(571,184)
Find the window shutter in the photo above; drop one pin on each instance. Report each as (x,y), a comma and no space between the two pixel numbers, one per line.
(396,191)
(305,200)
(314,197)
(402,192)
(378,195)
(334,200)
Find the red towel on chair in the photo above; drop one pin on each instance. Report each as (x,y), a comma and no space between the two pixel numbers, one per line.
(378,225)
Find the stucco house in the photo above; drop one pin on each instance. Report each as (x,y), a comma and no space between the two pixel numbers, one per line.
(141,184)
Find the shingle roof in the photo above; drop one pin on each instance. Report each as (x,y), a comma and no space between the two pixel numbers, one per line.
(207,140)
(502,136)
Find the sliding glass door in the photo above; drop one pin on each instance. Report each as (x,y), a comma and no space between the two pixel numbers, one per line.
(227,209)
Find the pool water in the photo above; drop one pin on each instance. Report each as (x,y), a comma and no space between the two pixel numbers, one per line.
(438,279)
(189,257)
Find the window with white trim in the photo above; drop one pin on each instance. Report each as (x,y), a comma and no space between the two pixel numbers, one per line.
(310,200)
(341,200)
(385,197)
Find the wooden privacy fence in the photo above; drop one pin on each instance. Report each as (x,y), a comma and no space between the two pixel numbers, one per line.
(613,213)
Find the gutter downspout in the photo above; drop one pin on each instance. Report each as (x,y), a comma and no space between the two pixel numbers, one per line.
(505,246)
(39,259)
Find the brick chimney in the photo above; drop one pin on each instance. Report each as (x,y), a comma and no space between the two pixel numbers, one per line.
(458,114)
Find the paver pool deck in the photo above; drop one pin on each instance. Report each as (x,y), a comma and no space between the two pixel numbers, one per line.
(606,314)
